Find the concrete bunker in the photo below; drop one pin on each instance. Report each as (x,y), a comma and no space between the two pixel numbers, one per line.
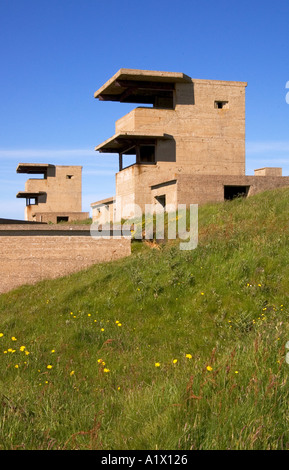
(54,195)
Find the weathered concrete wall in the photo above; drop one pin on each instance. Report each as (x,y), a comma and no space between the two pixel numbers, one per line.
(53,217)
(202,189)
(103,211)
(206,140)
(30,254)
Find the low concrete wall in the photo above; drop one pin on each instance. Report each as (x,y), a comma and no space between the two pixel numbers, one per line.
(202,189)
(29,254)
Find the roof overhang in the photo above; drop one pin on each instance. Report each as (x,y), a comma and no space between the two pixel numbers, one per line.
(139,86)
(33,168)
(27,194)
(122,142)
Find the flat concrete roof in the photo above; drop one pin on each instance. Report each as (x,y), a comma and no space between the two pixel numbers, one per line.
(126,82)
(112,87)
(108,200)
(120,142)
(25,194)
(34,168)
(131,85)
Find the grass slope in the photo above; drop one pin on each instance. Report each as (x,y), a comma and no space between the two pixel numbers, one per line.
(167,349)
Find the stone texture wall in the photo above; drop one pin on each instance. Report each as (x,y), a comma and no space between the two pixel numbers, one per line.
(53,217)
(29,255)
(201,189)
(205,140)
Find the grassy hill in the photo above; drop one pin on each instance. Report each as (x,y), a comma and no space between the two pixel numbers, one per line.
(167,349)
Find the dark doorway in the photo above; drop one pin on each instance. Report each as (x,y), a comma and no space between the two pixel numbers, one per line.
(231,192)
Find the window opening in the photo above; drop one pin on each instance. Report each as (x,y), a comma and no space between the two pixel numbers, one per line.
(62,218)
(147,154)
(221,104)
(31,201)
(161,200)
(231,192)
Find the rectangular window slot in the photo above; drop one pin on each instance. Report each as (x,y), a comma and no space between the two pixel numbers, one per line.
(31,201)
(221,104)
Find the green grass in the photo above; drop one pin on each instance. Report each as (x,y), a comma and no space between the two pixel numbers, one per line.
(225,304)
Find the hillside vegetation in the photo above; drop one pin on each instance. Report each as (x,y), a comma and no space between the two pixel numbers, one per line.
(166,349)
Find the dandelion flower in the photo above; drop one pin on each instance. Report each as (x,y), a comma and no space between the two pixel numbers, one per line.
(13,338)
(102,329)
(49,366)
(106,370)
(119,324)
(189,356)
(1,334)
(16,366)
(175,361)
(53,350)
(157,364)
(236,372)
(209,368)
(71,373)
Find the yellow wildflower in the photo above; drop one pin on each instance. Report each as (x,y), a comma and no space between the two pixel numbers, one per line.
(209,368)
(189,356)
(157,364)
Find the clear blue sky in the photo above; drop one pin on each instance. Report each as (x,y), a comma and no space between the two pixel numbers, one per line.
(55,53)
